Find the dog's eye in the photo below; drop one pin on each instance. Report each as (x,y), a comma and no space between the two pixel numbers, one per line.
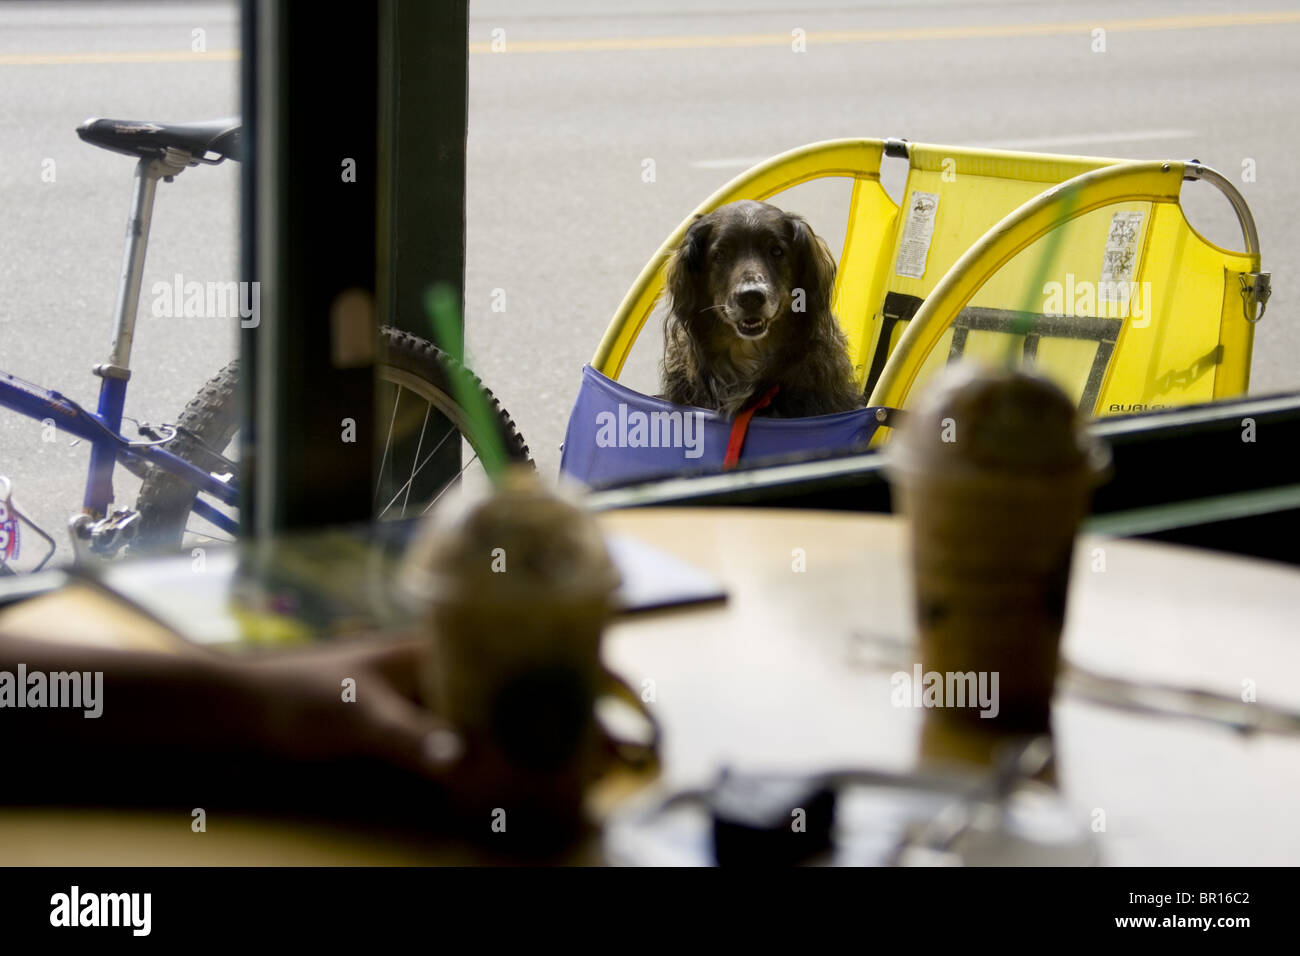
(777,252)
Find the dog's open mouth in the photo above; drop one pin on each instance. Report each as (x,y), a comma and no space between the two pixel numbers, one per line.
(752,327)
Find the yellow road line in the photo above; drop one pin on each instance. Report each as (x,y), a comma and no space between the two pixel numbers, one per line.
(740,40)
(140,56)
(901,34)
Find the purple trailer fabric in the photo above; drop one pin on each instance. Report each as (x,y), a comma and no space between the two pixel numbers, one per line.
(617,435)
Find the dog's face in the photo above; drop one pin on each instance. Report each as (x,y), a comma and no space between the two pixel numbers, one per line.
(750,314)
(748,268)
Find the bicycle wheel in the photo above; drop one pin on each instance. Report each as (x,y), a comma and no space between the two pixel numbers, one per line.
(416,406)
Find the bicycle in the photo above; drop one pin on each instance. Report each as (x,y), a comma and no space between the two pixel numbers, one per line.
(187,468)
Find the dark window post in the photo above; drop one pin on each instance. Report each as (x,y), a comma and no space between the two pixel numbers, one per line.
(355,120)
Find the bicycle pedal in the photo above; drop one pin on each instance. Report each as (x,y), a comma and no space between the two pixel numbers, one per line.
(102,538)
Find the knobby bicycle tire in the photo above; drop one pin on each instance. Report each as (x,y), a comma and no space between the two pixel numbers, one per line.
(210,419)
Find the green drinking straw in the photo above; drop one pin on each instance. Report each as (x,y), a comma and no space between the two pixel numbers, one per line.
(1024,324)
(442,305)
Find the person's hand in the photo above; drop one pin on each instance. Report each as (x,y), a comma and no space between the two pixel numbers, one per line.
(305,712)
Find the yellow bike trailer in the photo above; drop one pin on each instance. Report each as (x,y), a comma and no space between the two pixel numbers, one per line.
(1088,268)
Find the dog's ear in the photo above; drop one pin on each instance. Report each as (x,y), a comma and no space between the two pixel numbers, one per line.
(691,251)
(684,269)
(816,275)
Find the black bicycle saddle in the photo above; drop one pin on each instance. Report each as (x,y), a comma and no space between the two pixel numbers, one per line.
(149,140)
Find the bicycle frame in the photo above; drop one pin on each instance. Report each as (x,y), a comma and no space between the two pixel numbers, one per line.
(102,428)
(108,445)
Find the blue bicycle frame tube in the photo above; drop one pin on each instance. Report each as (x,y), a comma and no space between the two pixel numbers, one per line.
(40,404)
(103,455)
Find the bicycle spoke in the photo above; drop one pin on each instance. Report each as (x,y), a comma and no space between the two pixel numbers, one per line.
(215,537)
(459,475)
(388,446)
(428,410)
(450,431)
(210,538)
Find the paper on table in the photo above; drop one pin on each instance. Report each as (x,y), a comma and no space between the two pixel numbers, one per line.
(199,606)
(655,579)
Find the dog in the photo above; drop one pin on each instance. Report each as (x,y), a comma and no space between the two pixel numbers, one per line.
(749,292)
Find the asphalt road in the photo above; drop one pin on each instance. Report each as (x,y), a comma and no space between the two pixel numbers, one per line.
(561,123)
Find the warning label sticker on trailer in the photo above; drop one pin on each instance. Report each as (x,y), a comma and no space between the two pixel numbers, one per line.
(914,247)
(1120,258)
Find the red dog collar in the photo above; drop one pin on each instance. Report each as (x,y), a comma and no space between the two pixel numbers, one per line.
(740,427)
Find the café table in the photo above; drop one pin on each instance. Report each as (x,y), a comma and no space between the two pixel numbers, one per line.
(792,673)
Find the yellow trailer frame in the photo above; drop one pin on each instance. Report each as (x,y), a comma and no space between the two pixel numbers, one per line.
(1087,267)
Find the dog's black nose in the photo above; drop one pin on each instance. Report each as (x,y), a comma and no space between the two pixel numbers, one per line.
(751,298)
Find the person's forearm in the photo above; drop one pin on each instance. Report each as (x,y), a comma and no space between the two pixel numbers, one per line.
(76,696)
(189,726)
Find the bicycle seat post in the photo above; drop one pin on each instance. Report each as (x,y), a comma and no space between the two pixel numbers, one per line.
(117,371)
